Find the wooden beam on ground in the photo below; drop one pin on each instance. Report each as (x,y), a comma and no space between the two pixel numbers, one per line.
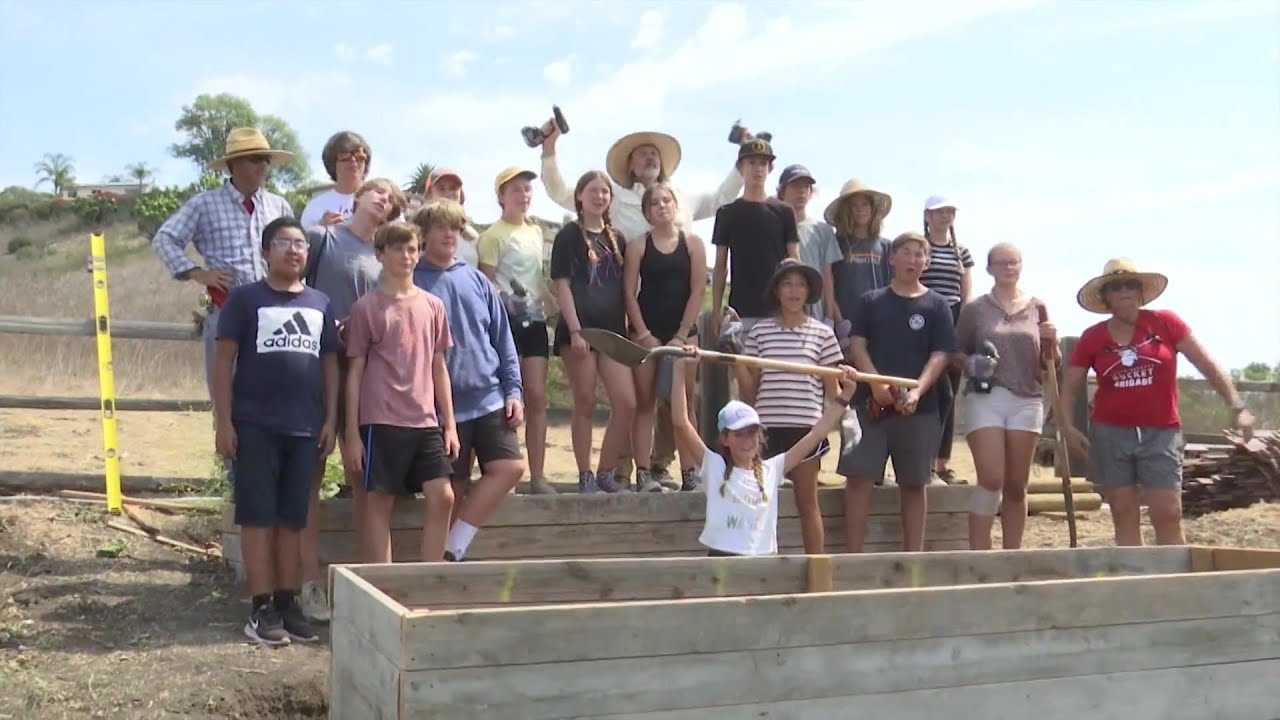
(120,329)
(51,482)
(1084,502)
(1054,487)
(33,402)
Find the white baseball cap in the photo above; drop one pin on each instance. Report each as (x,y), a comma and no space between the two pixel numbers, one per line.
(737,415)
(938,201)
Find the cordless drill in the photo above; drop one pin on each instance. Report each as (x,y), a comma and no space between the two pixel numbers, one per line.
(983,383)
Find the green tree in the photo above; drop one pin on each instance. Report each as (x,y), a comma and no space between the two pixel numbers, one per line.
(418,180)
(207,121)
(58,170)
(140,171)
(1257,372)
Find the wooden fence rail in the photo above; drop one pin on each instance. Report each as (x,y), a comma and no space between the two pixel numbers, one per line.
(120,329)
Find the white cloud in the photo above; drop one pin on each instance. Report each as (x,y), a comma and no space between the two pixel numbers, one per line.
(344,51)
(380,54)
(560,72)
(650,32)
(456,64)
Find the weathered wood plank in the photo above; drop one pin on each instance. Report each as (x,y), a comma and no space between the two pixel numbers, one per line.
(371,612)
(565,689)
(627,539)
(363,683)
(462,638)
(120,329)
(574,509)
(41,481)
(1216,692)
(1245,559)
(35,402)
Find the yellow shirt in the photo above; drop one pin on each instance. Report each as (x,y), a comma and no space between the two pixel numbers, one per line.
(517,253)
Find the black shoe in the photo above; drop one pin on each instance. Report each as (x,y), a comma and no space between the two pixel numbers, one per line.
(266,626)
(450,557)
(296,624)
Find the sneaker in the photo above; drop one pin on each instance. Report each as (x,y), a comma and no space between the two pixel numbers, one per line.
(450,557)
(646,483)
(663,476)
(690,480)
(587,483)
(608,482)
(314,603)
(541,486)
(296,625)
(266,626)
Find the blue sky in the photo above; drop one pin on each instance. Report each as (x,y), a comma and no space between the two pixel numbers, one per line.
(1079,130)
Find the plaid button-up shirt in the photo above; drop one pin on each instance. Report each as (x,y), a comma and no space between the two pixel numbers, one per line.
(223,232)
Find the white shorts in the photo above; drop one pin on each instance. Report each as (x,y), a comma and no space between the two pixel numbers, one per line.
(1002,409)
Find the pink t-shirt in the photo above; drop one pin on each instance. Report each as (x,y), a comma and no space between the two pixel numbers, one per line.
(399,339)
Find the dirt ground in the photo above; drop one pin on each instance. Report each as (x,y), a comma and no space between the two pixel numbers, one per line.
(96,623)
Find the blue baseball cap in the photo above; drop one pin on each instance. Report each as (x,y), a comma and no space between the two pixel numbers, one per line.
(794,172)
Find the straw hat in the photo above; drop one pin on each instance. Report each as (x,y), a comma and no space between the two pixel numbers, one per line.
(1090,295)
(881,203)
(243,142)
(618,162)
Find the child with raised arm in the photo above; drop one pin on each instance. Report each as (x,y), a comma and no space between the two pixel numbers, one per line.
(741,484)
(400,434)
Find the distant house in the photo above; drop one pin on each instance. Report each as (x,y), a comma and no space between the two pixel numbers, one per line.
(116,188)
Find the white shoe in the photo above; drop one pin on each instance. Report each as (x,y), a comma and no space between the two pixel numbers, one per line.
(313,602)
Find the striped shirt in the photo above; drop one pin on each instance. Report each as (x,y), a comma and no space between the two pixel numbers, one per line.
(223,232)
(788,399)
(947,264)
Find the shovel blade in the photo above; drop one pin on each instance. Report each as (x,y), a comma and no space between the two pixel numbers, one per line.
(615,346)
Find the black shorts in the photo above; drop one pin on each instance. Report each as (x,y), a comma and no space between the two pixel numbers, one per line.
(531,342)
(272,477)
(781,439)
(490,437)
(398,460)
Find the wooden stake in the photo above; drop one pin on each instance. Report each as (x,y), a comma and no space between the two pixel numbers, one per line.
(116,525)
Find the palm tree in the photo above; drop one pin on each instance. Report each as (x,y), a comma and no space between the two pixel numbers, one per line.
(58,170)
(418,181)
(141,172)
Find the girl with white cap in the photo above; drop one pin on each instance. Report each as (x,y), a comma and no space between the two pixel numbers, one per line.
(740,483)
(949,273)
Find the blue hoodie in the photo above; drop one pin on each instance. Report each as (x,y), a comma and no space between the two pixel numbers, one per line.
(483,367)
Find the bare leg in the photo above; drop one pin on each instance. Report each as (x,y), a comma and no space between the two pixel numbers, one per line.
(1020,450)
(286,559)
(489,491)
(619,385)
(642,431)
(258,558)
(376,529)
(581,371)
(309,544)
(804,480)
(857,506)
(987,446)
(914,511)
(1165,509)
(437,500)
(533,377)
(1125,515)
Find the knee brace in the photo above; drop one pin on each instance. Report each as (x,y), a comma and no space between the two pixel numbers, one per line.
(984,502)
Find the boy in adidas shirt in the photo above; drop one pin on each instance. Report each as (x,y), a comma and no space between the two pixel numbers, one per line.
(400,434)
(275,386)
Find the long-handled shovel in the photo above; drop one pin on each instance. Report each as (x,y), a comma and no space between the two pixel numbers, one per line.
(630,354)
(1060,445)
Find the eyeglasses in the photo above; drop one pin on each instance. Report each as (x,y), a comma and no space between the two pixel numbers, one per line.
(1122,285)
(353,157)
(289,243)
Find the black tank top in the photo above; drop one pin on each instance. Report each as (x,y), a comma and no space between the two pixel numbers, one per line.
(664,287)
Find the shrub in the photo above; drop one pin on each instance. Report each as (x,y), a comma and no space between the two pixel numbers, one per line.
(18,243)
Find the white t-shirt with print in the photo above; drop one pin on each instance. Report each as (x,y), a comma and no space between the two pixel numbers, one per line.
(327,201)
(741,521)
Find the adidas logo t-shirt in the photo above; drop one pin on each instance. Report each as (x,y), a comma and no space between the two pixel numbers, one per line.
(280,337)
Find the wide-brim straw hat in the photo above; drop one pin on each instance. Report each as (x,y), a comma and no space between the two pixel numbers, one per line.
(618,162)
(881,203)
(812,278)
(245,142)
(1090,295)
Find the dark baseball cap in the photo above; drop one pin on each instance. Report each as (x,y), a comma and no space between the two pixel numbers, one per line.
(794,172)
(756,148)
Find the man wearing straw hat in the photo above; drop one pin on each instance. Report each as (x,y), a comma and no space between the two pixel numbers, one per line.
(225,226)
(634,163)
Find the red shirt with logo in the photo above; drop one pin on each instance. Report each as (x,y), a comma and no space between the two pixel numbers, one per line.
(1137,382)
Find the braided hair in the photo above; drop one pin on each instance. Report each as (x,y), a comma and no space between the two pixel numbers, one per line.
(609,232)
(757,468)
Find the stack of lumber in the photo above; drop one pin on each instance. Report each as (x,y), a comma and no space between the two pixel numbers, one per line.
(1045,496)
(1235,474)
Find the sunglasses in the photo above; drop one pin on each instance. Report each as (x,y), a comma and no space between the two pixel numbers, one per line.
(353,158)
(1122,285)
(288,243)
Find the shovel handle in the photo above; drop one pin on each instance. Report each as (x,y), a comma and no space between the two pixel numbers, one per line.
(803,368)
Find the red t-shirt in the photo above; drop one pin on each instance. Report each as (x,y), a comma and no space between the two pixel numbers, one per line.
(1137,383)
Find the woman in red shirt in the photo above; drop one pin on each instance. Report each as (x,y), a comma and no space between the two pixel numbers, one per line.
(1135,436)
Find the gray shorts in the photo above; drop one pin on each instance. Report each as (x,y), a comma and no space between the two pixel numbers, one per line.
(1125,456)
(911,441)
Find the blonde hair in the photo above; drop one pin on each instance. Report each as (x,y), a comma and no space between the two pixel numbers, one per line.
(395,197)
(445,213)
(757,467)
(609,232)
(844,218)
(1002,246)
(647,200)
(908,238)
(396,234)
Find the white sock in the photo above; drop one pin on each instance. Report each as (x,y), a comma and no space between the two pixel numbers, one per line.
(460,537)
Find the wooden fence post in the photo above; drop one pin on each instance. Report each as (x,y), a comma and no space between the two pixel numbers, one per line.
(713,386)
(1079,415)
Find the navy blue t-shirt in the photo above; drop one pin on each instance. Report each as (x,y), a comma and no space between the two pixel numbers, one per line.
(278,381)
(901,334)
